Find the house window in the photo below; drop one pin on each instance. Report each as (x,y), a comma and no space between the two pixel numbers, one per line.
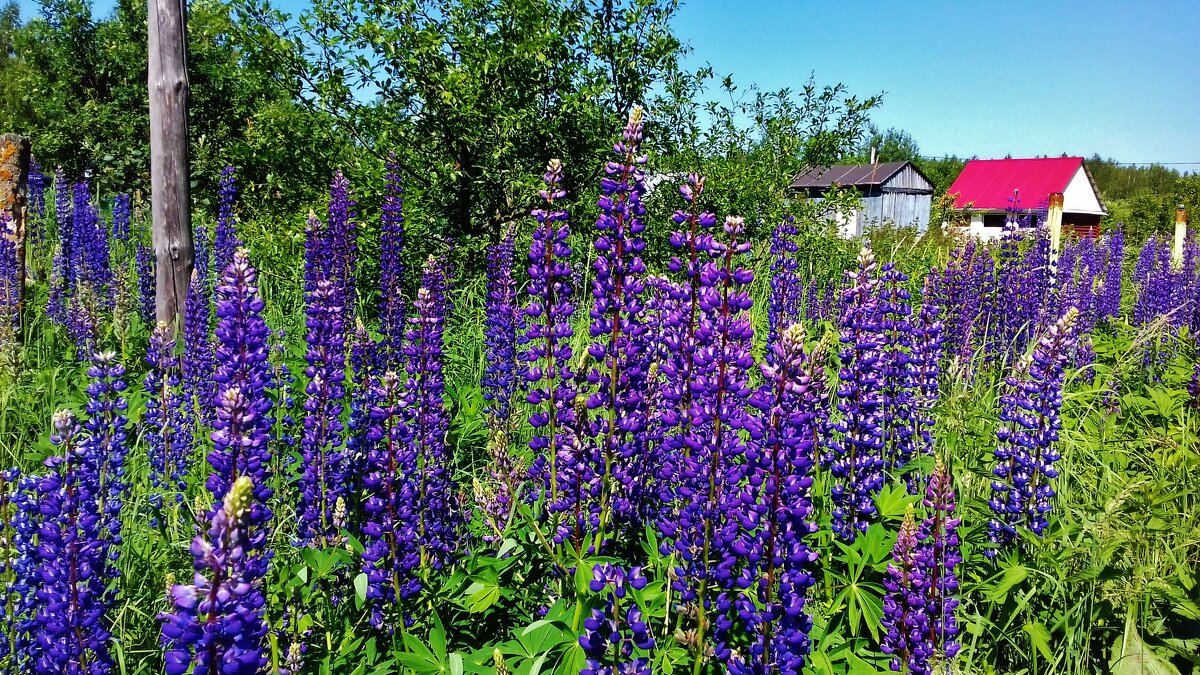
(994,219)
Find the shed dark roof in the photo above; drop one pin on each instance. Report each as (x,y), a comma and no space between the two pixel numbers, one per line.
(848,175)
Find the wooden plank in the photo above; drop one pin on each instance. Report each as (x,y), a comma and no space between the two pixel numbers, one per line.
(169,176)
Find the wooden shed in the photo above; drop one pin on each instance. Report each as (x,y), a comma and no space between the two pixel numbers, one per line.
(892,192)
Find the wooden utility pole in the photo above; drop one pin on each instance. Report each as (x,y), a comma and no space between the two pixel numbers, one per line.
(14,177)
(170,200)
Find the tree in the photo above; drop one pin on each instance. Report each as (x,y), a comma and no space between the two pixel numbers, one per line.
(474,95)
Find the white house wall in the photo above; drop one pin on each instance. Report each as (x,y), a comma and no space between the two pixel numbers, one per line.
(1079,197)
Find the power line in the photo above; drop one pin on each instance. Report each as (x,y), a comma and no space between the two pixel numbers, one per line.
(1105,161)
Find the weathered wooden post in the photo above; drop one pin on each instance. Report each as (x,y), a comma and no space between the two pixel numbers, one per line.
(14,176)
(1180,237)
(169,176)
(1054,222)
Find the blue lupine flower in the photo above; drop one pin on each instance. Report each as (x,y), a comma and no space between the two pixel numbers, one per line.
(500,329)
(905,615)
(546,342)
(616,328)
(938,555)
(856,438)
(217,626)
(392,554)
(71,627)
(707,499)
(427,420)
(242,420)
(225,236)
(778,510)
(1029,426)
(199,389)
(616,637)
(146,284)
(168,432)
(323,475)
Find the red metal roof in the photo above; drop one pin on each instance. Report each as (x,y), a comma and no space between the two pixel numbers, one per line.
(988,184)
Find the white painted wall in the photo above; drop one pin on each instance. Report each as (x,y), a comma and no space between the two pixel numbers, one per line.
(1079,197)
(848,224)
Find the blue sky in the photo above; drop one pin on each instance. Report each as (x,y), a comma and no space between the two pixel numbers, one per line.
(979,77)
(973,77)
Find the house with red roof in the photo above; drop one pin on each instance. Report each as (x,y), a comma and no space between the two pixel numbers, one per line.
(997,190)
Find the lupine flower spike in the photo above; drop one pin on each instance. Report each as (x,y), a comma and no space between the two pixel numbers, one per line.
(217,625)
(1029,425)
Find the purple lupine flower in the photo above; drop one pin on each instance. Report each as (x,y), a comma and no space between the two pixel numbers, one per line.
(546,343)
(856,438)
(217,626)
(366,367)
(616,328)
(242,420)
(91,245)
(958,294)
(787,290)
(106,446)
(342,231)
(20,623)
(1029,426)
(120,219)
(323,476)
(1110,300)
(427,420)
(780,562)
(506,476)
(168,432)
(199,389)
(392,553)
(36,186)
(896,363)
(706,489)
(925,349)
(616,638)
(146,284)
(71,627)
(905,616)
(391,266)
(225,236)
(63,274)
(13,612)
(500,329)
(202,256)
(11,280)
(83,322)
(678,325)
(938,555)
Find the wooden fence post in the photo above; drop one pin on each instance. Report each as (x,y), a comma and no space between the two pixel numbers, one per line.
(1180,237)
(14,175)
(170,199)
(1054,222)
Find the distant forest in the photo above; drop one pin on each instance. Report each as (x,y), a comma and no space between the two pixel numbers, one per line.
(1143,198)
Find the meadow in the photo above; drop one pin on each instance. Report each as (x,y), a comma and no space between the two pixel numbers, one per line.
(648,442)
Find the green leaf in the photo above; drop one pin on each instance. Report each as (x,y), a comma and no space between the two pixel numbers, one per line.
(1131,656)
(1039,637)
(360,587)
(1012,576)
